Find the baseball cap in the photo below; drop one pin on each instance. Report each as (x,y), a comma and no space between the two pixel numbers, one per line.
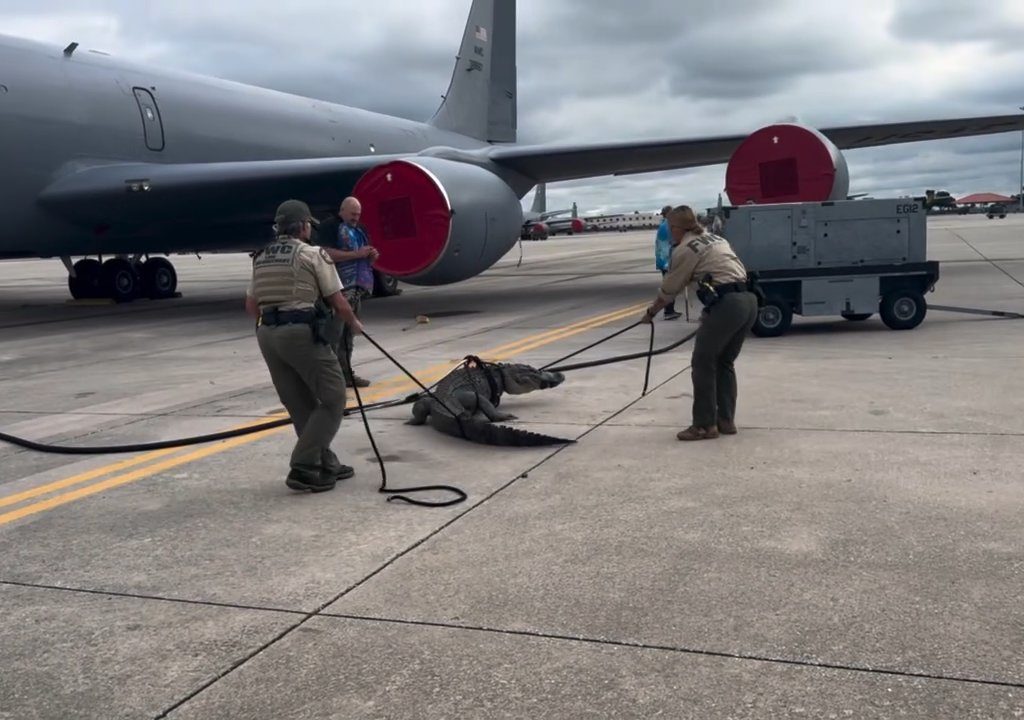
(294,211)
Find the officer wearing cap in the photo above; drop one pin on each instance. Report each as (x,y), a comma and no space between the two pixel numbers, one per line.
(730,310)
(290,279)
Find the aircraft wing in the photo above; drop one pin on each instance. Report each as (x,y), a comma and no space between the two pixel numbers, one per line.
(551,163)
(228,192)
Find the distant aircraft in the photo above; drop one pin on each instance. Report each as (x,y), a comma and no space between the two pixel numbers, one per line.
(107,159)
(539,222)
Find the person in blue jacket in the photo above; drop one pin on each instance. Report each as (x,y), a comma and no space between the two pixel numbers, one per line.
(663,256)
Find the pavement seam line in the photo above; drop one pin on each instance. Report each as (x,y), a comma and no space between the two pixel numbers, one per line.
(863,431)
(156,598)
(427,376)
(495,492)
(985,258)
(679,649)
(319,610)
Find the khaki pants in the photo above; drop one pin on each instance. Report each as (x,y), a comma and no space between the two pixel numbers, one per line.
(344,347)
(717,345)
(309,383)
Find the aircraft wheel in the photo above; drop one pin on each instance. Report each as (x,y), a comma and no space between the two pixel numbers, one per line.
(385,285)
(119,280)
(773,319)
(159,279)
(903,309)
(86,282)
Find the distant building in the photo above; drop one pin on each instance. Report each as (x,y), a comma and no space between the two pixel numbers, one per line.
(983,199)
(625,221)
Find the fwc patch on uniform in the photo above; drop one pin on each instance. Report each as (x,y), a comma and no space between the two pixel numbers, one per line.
(326,257)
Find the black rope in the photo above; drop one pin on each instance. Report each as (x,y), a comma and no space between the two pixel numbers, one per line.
(592,345)
(620,358)
(383,473)
(363,409)
(647,371)
(181,442)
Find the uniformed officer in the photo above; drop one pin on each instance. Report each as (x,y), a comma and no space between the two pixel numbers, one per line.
(730,310)
(289,277)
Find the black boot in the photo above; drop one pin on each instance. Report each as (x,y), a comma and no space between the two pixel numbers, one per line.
(332,467)
(309,479)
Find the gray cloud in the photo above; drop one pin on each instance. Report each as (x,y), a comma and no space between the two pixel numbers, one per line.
(999,23)
(596,70)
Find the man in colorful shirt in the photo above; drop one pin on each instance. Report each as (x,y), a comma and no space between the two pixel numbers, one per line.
(663,256)
(348,245)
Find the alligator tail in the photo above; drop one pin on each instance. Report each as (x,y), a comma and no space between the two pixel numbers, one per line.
(480,431)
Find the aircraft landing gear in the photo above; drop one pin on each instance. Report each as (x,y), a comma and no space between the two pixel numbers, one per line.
(121,279)
(159,279)
(84,278)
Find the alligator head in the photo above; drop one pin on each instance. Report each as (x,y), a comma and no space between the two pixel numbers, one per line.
(520,379)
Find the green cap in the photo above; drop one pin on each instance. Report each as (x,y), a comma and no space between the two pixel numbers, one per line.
(294,211)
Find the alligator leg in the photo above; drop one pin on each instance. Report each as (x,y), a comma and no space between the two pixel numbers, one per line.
(492,413)
(467,400)
(420,412)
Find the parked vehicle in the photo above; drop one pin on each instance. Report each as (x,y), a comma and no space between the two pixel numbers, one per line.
(995,209)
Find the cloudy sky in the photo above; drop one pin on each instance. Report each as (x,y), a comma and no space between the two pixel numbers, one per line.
(594,70)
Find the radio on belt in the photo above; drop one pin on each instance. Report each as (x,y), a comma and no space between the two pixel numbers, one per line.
(852,258)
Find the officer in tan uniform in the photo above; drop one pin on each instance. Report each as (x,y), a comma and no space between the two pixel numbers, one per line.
(290,278)
(730,310)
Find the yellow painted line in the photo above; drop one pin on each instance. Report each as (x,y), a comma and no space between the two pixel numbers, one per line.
(83,477)
(426,376)
(128,477)
(434,372)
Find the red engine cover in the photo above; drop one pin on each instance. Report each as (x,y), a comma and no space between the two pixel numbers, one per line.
(786,163)
(577,225)
(407,215)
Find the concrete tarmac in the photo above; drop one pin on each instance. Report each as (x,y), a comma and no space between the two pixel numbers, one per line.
(855,551)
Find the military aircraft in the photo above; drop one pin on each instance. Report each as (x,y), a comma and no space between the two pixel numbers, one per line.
(117,163)
(539,223)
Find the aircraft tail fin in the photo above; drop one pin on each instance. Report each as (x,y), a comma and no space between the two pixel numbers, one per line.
(540,200)
(481,98)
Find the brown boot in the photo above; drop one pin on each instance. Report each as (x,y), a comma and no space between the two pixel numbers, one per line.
(727,427)
(697,433)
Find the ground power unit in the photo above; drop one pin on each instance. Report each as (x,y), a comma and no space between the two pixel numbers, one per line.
(851,258)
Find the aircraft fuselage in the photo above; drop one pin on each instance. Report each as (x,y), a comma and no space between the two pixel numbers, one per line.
(60,113)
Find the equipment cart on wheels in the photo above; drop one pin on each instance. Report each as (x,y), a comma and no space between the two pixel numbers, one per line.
(851,258)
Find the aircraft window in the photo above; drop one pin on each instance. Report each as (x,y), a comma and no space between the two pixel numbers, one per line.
(3,89)
(372,148)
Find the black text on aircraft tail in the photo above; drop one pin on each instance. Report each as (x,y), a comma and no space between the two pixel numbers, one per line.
(481,98)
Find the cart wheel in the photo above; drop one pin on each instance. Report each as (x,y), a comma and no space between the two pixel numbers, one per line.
(773,319)
(903,309)
(856,317)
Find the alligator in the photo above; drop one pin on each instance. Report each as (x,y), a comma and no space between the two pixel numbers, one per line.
(475,388)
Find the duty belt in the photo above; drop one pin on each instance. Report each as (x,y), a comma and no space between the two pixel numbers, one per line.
(273,316)
(731,287)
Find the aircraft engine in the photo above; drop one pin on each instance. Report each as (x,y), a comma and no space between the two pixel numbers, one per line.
(577,225)
(437,221)
(786,163)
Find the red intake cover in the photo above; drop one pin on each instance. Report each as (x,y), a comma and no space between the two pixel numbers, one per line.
(786,163)
(407,214)
(577,225)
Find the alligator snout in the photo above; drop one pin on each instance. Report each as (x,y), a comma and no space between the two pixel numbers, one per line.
(551,379)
